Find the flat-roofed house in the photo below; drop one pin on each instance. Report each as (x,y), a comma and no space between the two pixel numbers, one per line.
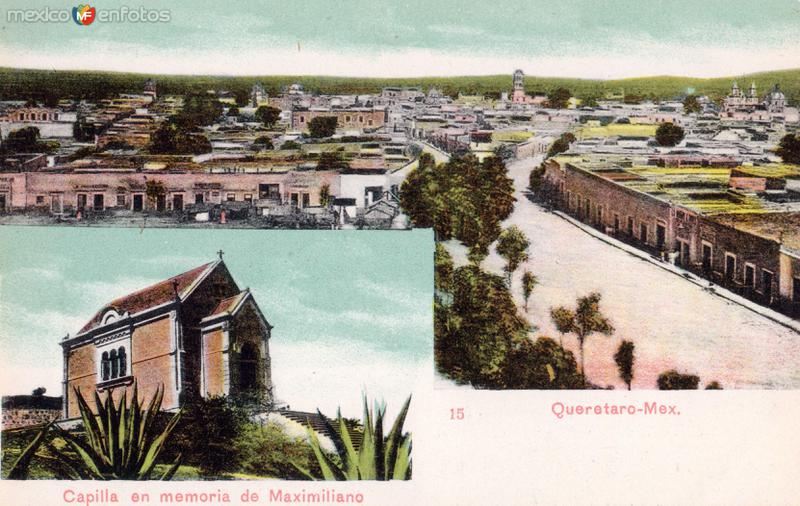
(193,334)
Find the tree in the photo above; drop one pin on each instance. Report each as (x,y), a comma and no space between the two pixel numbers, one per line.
(417,192)
(559,98)
(83,131)
(589,101)
(464,198)
(442,270)
(233,111)
(163,139)
(562,319)
(153,190)
(199,109)
(536,177)
(290,145)
(789,149)
(512,245)
(241,96)
(529,282)
(624,359)
(38,392)
(669,134)
(561,145)
(325,197)
(24,140)
(542,364)
(263,142)
(322,126)
(475,332)
(584,321)
(714,385)
(268,115)
(208,433)
(192,144)
(332,160)
(171,139)
(691,105)
(673,380)
(504,151)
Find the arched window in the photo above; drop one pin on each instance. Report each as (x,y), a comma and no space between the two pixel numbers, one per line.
(123,363)
(114,364)
(104,366)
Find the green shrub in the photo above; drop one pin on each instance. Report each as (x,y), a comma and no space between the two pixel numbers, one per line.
(208,433)
(268,451)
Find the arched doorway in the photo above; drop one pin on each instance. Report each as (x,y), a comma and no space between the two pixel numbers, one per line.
(248,368)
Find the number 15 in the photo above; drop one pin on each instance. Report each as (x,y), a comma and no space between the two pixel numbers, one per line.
(456,413)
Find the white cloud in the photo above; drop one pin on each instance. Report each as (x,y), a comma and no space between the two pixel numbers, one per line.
(409,298)
(326,376)
(97,293)
(621,58)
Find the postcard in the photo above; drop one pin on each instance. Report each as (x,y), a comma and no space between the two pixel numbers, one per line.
(395,253)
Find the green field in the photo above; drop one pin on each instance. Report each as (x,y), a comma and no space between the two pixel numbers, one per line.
(21,84)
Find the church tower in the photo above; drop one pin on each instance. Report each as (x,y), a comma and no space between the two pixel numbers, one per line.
(150,88)
(518,92)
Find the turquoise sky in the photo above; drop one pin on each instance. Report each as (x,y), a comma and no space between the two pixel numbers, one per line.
(597,38)
(351,310)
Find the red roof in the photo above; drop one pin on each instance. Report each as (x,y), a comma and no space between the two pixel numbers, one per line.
(228,305)
(152,296)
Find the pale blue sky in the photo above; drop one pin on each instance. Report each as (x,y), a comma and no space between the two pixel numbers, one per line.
(351,310)
(596,38)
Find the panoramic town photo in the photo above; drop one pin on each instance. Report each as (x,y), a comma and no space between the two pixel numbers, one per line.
(640,233)
(613,204)
(230,355)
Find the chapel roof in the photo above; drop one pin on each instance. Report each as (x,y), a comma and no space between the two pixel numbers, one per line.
(228,305)
(154,295)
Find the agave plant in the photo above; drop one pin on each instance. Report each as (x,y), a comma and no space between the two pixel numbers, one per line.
(19,469)
(122,441)
(376,458)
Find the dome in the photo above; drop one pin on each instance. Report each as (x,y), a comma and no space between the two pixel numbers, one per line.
(776,94)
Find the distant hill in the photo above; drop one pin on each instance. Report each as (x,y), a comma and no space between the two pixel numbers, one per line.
(22,84)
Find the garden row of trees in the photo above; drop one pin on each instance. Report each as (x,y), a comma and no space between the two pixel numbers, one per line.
(481,338)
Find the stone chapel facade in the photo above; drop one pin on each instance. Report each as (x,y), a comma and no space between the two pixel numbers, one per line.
(195,334)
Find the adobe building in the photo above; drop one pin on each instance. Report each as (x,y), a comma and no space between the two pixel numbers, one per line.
(51,122)
(353,118)
(104,189)
(739,228)
(196,333)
